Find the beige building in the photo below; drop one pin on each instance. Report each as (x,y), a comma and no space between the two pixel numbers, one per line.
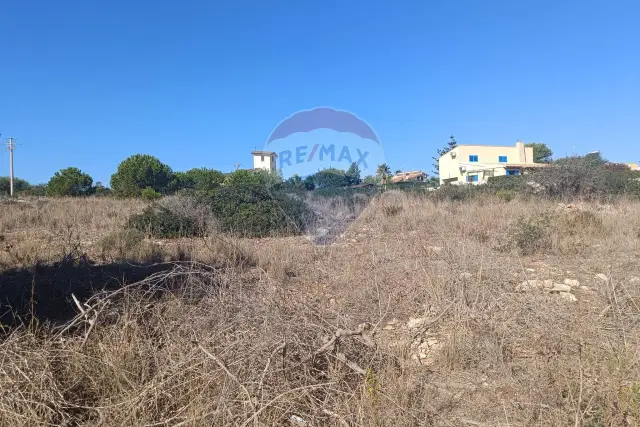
(475,164)
(264,160)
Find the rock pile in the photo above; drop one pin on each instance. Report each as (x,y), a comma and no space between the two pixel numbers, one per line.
(564,290)
(423,344)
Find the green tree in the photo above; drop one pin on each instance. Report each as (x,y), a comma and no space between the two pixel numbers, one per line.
(101,190)
(541,153)
(39,190)
(138,172)
(353,174)
(19,185)
(433,182)
(330,178)
(383,170)
(70,182)
(201,179)
(370,179)
(441,152)
(309,184)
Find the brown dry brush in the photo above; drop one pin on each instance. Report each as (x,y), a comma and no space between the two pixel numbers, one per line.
(280,332)
(207,353)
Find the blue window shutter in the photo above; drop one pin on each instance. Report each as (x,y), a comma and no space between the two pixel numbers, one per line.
(473,157)
(502,159)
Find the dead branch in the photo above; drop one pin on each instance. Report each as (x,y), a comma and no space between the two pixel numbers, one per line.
(233,377)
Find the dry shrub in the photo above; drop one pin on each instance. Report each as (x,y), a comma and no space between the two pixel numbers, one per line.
(529,235)
(128,245)
(188,206)
(242,344)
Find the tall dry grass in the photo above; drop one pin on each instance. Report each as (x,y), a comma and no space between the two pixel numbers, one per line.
(44,229)
(283,332)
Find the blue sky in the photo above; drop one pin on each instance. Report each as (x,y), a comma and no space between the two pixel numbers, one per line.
(201,83)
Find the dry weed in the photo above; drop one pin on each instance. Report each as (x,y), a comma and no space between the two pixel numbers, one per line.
(283,332)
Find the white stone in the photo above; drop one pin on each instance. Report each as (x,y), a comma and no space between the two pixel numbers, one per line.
(602,277)
(568,296)
(466,276)
(436,249)
(634,280)
(530,270)
(585,288)
(560,287)
(415,323)
(529,285)
(432,342)
(572,282)
(391,325)
(548,284)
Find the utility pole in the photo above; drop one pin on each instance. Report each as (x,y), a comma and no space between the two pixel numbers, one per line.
(11,145)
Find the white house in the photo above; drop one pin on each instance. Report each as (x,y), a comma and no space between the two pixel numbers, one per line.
(264,160)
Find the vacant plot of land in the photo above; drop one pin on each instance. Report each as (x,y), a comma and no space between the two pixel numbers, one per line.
(485,313)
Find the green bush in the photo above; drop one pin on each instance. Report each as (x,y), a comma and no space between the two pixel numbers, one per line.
(586,177)
(200,179)
(139,172)
(37,190)
(158,221)
(454,193)
(255,211)
(333,178)
(70,182)
(150,194)
(263,178)
(19,185)
(505,182)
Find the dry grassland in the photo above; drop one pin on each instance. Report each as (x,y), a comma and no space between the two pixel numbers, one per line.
(416,316)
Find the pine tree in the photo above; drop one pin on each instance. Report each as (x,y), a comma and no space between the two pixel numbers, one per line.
(442,151)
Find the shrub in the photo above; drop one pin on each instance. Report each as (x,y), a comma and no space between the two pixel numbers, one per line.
(504,182)
(588,177)
(38,190)
(200,179)
(139,172)
(580,221)
(392,210)
(254,211)
(187,205)
(331,178)
(256,178)
(70,182)
(150,194)
(158,221)
(529,235)
(121,245)
(19,185)
(506,195)
(454,193)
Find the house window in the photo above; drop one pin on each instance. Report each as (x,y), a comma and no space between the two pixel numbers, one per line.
(512,172)
(473,157)
(502,159)
(472,178)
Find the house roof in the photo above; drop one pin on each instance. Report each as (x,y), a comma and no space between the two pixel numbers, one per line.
(264,153)
(407,175)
